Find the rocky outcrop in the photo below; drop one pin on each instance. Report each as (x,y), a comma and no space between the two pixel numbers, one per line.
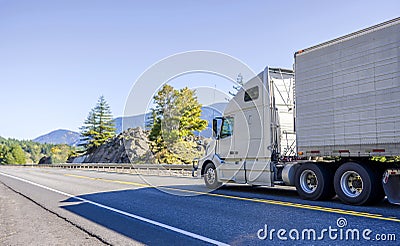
(129,146)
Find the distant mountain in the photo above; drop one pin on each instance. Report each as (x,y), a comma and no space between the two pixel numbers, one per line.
(123,123)
(208,113)
(59,137)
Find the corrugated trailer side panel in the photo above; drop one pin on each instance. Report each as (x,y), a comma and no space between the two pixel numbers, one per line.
(348,94)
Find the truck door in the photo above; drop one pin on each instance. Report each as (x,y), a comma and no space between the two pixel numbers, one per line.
(225,147)
(230,169)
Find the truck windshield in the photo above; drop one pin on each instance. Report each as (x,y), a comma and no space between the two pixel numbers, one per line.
(227,127)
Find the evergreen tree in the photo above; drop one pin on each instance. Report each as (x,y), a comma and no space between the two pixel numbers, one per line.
(189,110)
(176,115)
(165,116)
(98,126)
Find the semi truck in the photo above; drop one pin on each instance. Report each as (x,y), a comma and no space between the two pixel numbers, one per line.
(329,127)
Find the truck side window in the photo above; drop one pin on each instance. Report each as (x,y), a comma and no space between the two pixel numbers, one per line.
(251,94)
(227,127)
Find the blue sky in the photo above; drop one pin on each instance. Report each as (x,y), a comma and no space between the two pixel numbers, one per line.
(58,57)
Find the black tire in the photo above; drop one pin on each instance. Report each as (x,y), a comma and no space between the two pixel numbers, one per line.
(357,184)
(314,182)
(210,177)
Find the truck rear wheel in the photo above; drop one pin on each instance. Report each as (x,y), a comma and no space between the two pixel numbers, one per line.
(210,177)
(358,185)
(314,182)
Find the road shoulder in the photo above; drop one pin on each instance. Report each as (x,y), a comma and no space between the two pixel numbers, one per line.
(25,223)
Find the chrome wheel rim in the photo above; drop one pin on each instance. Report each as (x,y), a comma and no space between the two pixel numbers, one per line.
(308,181)
(351,184)
(210,176)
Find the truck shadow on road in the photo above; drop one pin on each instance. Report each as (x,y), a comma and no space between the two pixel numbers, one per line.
(107,210)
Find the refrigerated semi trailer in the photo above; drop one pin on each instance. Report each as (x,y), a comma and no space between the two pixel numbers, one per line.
(330,128)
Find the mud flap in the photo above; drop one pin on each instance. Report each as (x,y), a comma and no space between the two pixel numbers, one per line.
(391,185)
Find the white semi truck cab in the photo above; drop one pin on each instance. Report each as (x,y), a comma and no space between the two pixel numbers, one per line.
(337,115)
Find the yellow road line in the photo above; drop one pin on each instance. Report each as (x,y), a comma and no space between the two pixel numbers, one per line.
(258,200)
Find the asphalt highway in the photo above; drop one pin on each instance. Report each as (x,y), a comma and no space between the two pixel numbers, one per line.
(123,209)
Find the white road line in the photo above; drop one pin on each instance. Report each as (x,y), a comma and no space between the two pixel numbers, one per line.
(190,234)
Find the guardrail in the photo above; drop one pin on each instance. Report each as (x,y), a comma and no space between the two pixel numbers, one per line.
(182,170)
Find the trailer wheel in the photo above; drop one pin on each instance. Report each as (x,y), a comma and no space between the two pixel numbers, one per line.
(314,182)
(358,185)
(210,176)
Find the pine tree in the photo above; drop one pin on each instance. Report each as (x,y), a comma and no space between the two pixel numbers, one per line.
(165,116)
(176,115)
(98,126)
(189,110)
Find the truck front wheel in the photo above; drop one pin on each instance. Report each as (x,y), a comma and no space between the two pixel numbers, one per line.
(357,185)
(210,177)
(314,182)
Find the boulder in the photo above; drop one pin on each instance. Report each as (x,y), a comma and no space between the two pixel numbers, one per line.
(45,160)
(129,146)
